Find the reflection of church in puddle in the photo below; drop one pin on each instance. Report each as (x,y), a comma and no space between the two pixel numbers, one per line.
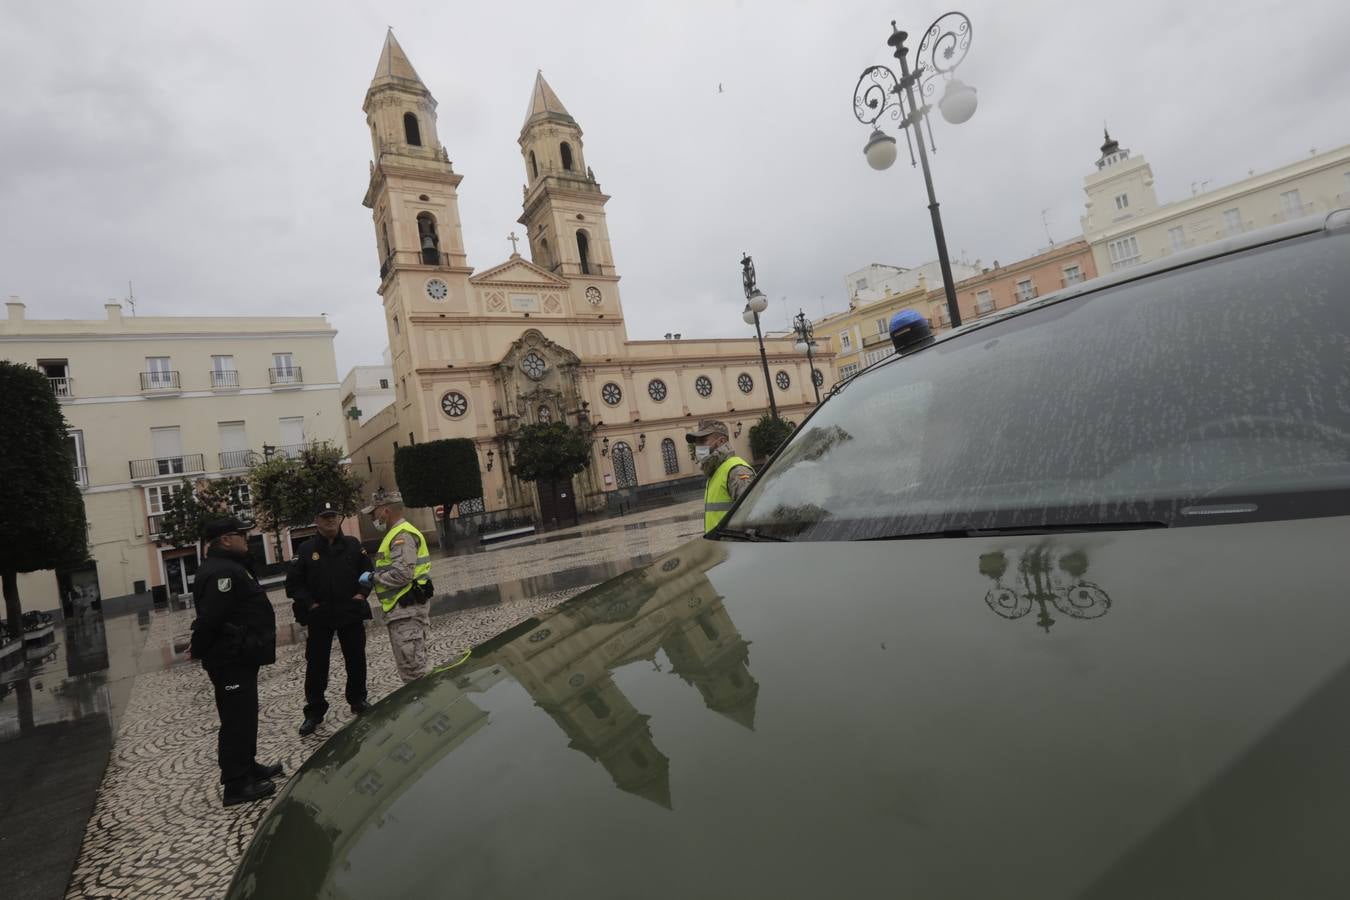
(567,664)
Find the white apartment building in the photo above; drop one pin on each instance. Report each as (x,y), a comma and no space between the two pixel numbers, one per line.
(1126,225)
(365,391)
(878,281)
(152,400)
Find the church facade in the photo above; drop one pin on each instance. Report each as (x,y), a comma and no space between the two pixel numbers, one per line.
(478,354)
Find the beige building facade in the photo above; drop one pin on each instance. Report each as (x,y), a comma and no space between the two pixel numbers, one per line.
(153,400)
(478,354)
(1126,225)
(861,335)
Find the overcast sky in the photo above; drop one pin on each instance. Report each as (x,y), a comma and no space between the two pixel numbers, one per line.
(217,154)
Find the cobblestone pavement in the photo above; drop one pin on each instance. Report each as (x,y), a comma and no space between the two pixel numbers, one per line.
(158,829)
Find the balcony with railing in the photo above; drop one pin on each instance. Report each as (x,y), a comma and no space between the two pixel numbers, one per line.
(63,388)
(287,377)
(161,382)
(1232,229)
(235,459)
(167,466)
(224,380)
(872,340)
(290,451)
(1290,213)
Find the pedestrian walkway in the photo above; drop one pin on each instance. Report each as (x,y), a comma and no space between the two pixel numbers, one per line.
(158,829)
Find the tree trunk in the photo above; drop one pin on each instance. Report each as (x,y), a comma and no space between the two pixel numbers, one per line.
(13,608)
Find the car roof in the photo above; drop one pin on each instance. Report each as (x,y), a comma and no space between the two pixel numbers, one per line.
(1331,221)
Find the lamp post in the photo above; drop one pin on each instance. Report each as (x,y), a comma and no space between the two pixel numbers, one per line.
(806,342)
(879,92)
(756,303)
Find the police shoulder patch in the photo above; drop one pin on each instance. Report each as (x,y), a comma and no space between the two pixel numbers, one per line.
(223,584)
(397,543)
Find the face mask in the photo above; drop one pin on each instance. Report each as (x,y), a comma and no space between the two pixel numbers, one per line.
(701,452)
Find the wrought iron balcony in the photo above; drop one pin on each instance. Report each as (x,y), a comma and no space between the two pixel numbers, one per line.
(871,340)
(291,451)
(223,381)
(155,382)
(160,467)
(236,459)
(63,388)
(287,376)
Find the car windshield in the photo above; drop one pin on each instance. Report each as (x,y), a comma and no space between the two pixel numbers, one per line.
(1215,393)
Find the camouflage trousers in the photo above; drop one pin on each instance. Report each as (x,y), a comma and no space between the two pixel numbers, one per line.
(408,638)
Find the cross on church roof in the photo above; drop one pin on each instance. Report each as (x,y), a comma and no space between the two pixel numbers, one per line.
(512,238)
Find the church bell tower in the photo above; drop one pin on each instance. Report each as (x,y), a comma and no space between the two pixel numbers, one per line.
(564,210)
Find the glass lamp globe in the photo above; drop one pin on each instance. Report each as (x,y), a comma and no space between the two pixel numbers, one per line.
(748,315)
(958,102)
(880,150)
(800,346)
(758,302)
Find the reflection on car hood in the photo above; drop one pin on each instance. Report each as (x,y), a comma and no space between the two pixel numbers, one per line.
(1116,715)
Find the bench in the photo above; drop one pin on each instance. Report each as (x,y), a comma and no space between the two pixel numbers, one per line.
(493,537)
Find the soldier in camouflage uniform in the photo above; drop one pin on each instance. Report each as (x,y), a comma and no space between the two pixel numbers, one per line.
(402,584)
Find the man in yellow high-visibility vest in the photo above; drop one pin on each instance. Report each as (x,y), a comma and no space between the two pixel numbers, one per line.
(402,584)
(728,475)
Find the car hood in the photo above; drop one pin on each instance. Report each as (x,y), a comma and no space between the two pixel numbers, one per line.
(1116,715)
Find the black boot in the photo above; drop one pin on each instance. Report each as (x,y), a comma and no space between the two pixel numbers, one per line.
(359,707)
(309,725)
(262,773)
(247,792)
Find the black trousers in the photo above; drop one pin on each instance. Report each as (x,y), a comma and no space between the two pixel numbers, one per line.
(318,652)
(237,705)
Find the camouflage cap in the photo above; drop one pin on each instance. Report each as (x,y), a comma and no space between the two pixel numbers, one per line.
(707,427)
(382,497)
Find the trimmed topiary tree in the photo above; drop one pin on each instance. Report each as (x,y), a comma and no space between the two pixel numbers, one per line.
(43,526)
(438,473)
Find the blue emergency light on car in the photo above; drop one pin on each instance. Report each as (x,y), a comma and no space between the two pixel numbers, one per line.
(910,331)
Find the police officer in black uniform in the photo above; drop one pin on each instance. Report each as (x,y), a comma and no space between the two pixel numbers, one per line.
(234,634)
(323,583)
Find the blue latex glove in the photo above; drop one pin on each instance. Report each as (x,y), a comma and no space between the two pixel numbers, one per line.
(366,580)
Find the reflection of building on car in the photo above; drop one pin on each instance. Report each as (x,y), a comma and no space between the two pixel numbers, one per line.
(566,663)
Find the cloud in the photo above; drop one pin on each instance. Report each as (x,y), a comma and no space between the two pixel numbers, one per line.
(219,157)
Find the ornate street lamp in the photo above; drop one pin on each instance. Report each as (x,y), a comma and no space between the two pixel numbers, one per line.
(756,303)
(806,343)
(879,92)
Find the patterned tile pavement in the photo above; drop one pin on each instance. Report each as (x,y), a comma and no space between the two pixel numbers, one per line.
(158,829)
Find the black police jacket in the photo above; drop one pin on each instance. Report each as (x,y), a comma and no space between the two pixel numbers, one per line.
(325,574)
(235,625)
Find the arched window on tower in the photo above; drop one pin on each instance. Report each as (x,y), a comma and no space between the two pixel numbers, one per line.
(584,252)
(534,166)
(428,240)
(566,150)
(411,130)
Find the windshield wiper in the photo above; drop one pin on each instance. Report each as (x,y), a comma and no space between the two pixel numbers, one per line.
(749,534)
(1066,528)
